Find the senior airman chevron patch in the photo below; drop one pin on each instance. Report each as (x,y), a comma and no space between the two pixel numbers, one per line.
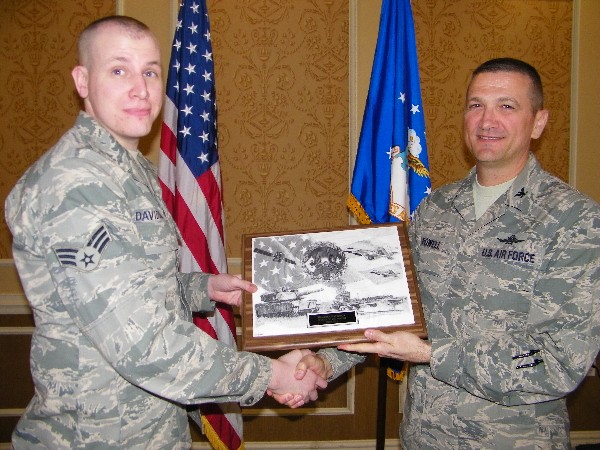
(85,258)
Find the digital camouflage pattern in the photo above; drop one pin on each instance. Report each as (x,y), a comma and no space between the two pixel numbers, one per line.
(512,303)
(340,361)
(114,355)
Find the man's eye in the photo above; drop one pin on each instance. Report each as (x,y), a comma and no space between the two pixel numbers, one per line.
(150,74)
(118,71)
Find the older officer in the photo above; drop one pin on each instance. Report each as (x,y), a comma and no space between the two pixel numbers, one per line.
(508,264)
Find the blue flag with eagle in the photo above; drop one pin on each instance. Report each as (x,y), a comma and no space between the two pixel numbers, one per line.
(391,172)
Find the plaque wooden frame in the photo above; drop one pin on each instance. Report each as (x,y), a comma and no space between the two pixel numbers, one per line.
(325,339)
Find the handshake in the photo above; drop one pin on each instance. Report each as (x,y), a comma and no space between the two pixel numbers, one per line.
(296,377)
(298,374)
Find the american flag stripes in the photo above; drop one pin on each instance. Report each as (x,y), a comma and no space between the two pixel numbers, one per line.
(189,174)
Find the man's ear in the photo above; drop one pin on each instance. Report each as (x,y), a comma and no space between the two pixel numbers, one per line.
(540,121)
(80,76)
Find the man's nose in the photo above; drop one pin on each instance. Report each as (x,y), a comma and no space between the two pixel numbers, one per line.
(140,87)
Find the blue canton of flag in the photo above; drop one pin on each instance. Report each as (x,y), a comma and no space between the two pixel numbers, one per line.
(190,178)
(191,88)
(391,172)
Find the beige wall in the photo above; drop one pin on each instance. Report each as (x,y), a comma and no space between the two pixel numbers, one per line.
(453,35)
(585,113)
(261,195)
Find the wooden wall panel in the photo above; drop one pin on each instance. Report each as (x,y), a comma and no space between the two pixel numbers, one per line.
(15,378)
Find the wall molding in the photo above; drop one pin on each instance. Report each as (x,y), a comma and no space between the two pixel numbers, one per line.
(348,409)
(575,61)
(577,438)
(12,298)
(14,302)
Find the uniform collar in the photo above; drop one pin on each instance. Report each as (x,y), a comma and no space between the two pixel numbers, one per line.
(101,140)
(518,196)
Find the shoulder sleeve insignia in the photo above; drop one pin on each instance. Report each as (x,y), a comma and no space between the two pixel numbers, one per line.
(88,257)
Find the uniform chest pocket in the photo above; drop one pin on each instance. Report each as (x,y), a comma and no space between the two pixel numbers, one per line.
(508,262)
(157,237)
(435,254)
(155,228)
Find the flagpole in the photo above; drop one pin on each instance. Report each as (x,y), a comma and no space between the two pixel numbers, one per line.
(381,405)
(391,170)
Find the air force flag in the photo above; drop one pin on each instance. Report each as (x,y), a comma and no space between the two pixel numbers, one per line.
(391,173)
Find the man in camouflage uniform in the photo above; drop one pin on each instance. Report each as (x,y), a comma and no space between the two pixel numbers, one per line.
(508,264)
(114,355)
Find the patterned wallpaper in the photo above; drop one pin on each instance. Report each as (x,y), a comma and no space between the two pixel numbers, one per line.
(454,37)
(282,81)
(38,102)
(282,90)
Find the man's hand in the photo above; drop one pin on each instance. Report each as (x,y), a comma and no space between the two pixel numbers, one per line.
(315,362)
(289,390)
(228,289)
(400,345)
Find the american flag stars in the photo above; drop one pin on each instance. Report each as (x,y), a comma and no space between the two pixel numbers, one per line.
(193,68)
(190,68)
(192,48)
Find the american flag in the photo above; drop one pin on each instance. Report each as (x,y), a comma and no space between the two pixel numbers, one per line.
(190,177)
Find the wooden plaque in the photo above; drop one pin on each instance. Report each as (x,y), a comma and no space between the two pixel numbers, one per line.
(321,288)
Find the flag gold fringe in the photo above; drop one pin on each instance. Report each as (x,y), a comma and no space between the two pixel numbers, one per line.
(398,375)
(213,437)
(359,212)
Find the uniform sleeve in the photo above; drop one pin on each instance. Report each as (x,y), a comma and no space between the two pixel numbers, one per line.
(340,361)
(194,288)
(125,298)
(549,357)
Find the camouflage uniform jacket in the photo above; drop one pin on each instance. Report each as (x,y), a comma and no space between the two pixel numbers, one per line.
(513,314)
(114,355)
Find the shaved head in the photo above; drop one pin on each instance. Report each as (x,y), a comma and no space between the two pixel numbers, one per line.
(133,27)
(119,77)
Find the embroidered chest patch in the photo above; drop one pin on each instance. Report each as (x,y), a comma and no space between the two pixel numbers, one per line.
(147,215)
(514,249)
